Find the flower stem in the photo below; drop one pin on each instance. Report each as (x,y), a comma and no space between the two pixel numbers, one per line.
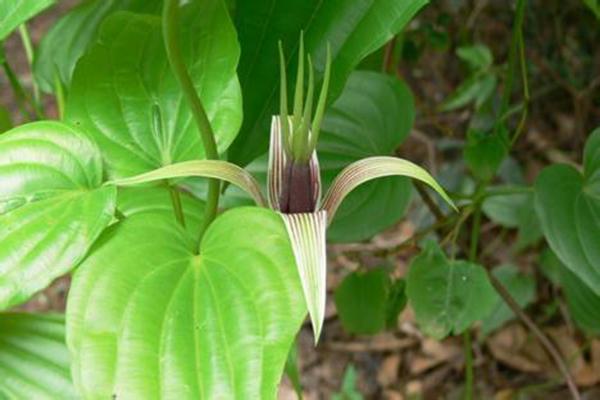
(170,19)
(26,39)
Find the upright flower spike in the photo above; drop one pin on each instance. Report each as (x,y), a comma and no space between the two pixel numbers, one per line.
(294,182)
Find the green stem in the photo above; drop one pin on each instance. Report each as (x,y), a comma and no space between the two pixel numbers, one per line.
(18,91)
(59,94)
(176,201)
(170,19)
(26,39)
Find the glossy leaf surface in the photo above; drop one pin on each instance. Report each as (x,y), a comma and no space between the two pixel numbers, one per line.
(179,325)
(34,360)
(15,12)
(353,30)
(568,207)
(125,95)
(372,117)
(73,34)
(447,295)
(52,207)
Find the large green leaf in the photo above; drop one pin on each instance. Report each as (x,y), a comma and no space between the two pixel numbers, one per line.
(34,360)
(180,325)
(353,29)
(583,303)
(73,34)
(447,295)
(14,12)
(124,93)
(52,207)
(568,207)
(372,117)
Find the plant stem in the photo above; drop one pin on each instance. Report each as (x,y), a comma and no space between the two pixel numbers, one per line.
(18,91)
(176,201)
(170,20)
(26,39)
(526,97)
(59,93)
(429,202)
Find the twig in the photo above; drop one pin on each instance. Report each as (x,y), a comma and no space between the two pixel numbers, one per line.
(548,345)
(374,346)
(433,207)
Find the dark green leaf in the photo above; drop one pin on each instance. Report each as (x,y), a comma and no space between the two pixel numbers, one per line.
(361,301)
(396,302)
(34,360)
(292,370)
(484,153)
(52,207)
(447,295)
(514,210)
(476,89)
(594,6)
(567,204)
(5,120)
(125,95)
(583,303)
(15,12)
(73,34)
(372,117)
(180,325)
(522,289)
(353,29)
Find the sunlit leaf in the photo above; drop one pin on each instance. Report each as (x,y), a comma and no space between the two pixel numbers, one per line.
(73,34)
(124,93)
(15,12)
(181,325)
(34,360)
(447,295)
(353,30)
(203,168)
(52,207)
(567,204)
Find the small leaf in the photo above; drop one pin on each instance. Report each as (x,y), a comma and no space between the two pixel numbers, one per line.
(15,12)
(307,236)
(52,207)
(348,390)
(447,295)
(484,153)
(125,95)
(477,56)
(567,204)
(202,168)
(368,302)
(522,289)
(372,168)
(477,88)
(214,325)
(34,360)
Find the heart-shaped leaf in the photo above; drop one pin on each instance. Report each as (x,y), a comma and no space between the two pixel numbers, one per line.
(52,207)
(124,94)
(180,325)
(567,204)
(352,29)
(14,12)
(372,117)
(34,360)
(73,34)
(447,295)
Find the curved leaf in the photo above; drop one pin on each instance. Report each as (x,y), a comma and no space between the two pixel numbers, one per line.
(34,360)
(203,168)
(51,206)
(15,12)
(124,94)
(447,295)
(373,115)
(179,325)
(73,34)
(353,30)
(567,204)
(157,200)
